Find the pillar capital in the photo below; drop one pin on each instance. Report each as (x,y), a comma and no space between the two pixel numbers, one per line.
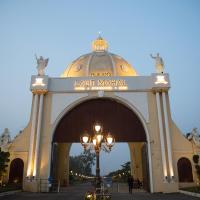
(155,90)
(40,91)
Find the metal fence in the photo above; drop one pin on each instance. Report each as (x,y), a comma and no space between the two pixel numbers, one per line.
(46,185)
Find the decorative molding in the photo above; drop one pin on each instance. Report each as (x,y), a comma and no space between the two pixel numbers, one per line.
(40,91)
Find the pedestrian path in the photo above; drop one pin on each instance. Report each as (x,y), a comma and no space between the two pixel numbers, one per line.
(77,192)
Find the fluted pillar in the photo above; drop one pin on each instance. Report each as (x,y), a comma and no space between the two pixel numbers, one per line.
(36,157)
(160,122)
(32,136)
(168,136)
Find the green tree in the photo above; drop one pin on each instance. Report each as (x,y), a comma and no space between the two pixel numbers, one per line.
(126,167)
(4,159)
(82,164)
(123,173)
(196,164)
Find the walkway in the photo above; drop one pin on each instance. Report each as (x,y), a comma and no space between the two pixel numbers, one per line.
(77,193)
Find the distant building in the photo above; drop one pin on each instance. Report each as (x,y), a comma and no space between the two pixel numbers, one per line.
(104,87)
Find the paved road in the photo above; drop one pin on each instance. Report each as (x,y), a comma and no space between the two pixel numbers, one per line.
(77,193)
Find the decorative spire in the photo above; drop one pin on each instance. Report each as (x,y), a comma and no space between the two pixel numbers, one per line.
(99,44)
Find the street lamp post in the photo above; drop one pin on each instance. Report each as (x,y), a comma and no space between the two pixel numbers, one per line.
(97,141)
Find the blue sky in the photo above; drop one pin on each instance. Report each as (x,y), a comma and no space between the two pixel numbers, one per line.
(63,30)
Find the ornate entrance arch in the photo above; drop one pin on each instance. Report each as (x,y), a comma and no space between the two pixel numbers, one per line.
(116,118)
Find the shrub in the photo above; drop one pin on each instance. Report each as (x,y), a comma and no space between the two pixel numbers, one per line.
(196,159)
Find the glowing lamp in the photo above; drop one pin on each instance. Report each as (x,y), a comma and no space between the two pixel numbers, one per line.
(99,138)
(85,139)
(160,80)
(38,82)
(97,127)
(109,140)
(94,141)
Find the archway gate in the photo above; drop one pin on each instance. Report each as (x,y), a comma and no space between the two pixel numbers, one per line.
(116,118)
(143,102)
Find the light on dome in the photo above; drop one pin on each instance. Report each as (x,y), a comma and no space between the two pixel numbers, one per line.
(99,44)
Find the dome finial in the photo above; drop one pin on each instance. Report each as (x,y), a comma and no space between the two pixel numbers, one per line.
(99,44)
(99,34)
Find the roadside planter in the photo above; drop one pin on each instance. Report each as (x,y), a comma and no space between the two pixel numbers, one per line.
(90,196)
(94,196)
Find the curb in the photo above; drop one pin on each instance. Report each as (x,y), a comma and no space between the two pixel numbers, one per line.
(190,193)
(9,192)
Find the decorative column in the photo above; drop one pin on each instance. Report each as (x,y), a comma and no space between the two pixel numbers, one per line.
(39,86)
(32,135)
(164,163)
(168,136)
(36,157)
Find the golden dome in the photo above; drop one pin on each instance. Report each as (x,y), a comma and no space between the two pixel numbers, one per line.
(99,44)
(99,62)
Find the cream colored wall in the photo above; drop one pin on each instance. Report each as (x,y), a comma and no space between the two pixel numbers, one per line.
(61,165)
(45,139)
(154,141)
(136,159)
(19,149)
(155,144)
(61,100)
(181,147)
(139,100)
(153,126)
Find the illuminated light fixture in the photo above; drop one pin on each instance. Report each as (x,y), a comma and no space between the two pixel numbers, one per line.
(171,172)
(89,196)
(99,138)
(38,82)
(122,88)
(94,141)
(161,80)
(99,141)
(101,88)
(80,88)
(34,172)
(97,127)
(29,171)
(84,139)
(110,141)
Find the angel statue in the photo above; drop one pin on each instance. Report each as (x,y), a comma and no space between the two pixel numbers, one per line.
(41,64)
(159,63)
(194,136)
